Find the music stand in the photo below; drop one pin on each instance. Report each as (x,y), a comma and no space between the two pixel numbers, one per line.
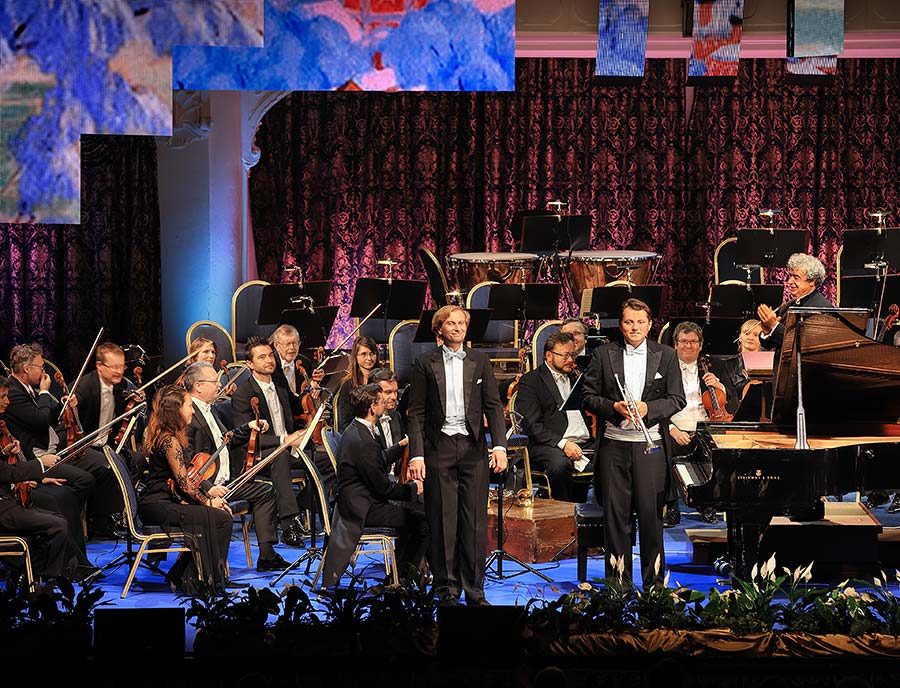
(609,300)
(277,298)
(768,248)
(741,301)
(524,302)
(398,299)
(479,319)
(313,325)
(864,248)
(550,233)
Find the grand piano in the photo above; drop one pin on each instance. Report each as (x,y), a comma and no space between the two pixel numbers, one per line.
(835,429)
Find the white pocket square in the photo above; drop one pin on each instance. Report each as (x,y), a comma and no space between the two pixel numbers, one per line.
(657,377)
(479,381)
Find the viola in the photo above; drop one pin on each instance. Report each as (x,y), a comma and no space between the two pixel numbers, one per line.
(714,399)
(204,466)
(254,437)
(309,400)
(21,490)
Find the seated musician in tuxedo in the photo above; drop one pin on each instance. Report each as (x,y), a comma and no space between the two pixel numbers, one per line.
(579,332)
(292,369)
(681,427)
(32,417)
(52,524)
(556,439)
(366,497)
(626,477)
(275,409)
(102,393)
(205,434)
(390,429)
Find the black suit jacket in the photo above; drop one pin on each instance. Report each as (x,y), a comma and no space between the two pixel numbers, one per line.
(15,473)
(301,377)
(200,439)
(774,341)
(538,402)
(29,420)
(242,412)
(88,394)
(428,398)
(362,481)
(392,453)
(664,395)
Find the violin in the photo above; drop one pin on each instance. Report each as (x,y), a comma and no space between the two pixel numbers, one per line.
(893,312)
(254,436)
(70,419)
(204,466)
(714,399)
(21,490)
(309,400)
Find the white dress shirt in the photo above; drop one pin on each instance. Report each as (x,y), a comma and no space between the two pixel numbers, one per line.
(577,430)
(635,360)
(224,473)
(455,420)
(686,419)
(107,411)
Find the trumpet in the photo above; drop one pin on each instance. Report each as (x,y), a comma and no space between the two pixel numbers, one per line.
(635,416)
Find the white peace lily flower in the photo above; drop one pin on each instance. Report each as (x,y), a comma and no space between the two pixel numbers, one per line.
(770,567)
(851,592)
(584,586)
(666,579)
(877,582)
(753,572)
(867,598)
(843,583)
(807,572)
(656,564)
(621,565)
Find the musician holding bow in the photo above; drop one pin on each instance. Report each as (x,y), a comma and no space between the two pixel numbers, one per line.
(205,434)
(626,476)
(293,370)
(681,427)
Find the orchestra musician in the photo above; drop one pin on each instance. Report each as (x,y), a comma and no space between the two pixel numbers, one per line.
(390,428)
(626,477)
(579,331)
(452,392)
(184,506)
(205,435)
(363,360)
(32,416)
(806,274)
(293,370)
(682,426)
(733,371)
(52,523)
(556,439)
(366,497)
(275,409)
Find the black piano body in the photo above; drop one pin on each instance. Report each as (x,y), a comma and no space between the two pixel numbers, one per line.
(850,391)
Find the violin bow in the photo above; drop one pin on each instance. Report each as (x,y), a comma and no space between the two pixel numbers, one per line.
(80,373)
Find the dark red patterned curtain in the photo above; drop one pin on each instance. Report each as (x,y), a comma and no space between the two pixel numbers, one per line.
(60,283)
(347,178)
(824,155)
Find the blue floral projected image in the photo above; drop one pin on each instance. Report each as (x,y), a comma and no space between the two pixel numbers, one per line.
(622,38)
(372,45)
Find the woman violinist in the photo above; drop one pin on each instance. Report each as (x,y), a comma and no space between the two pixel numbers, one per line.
(363,360)
(192,510)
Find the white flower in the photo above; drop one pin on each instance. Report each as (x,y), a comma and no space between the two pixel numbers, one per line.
(851,592)
(656,564)
(585,586)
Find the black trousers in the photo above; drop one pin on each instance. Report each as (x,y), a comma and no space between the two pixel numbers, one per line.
(410,520)
(63,501)
(106,497)
(47,534)
(456,494)
(262,503)
(559,469)
(631,481)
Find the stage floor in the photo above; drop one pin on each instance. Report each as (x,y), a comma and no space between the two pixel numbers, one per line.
(149,590)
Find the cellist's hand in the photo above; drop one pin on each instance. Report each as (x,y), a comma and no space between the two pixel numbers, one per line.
(217,491)
(219,503)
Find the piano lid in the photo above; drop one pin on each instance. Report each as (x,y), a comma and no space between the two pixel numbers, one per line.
(847,377)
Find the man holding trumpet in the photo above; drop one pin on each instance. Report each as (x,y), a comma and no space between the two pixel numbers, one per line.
(631,387)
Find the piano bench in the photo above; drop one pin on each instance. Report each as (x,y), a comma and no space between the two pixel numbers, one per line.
(589,518)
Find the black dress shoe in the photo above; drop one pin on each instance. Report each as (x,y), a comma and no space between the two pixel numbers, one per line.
(294,534)
(229,584)
(445,599)
(710,515)
(672,518)
(478,602)
(276,563)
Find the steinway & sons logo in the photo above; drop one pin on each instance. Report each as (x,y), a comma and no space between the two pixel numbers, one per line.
(757,474)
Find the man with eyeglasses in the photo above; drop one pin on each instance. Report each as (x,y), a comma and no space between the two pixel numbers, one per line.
(33,417)
(679,438)
(102,393)
(293,370)
(205,434)
(556,439)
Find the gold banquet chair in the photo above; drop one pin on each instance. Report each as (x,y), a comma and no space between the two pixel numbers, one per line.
(378,541)
(244,311)
(152,539)
(724,268)
(215,332)
(541,334)
(530,475)
(15,546)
